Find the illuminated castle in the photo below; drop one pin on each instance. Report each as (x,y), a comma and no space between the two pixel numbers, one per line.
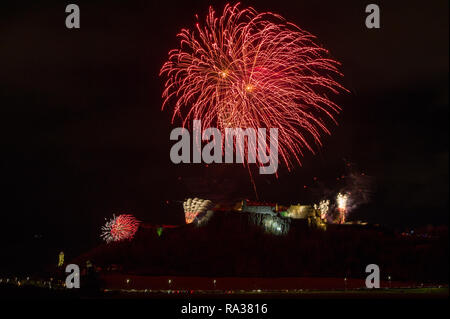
(259,208)
(312,214)
(273,218)
(277,219)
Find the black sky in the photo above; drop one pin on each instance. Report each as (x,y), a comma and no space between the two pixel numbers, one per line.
(83,135)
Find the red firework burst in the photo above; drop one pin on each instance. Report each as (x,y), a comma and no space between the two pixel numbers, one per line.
(120,228)
(246,69)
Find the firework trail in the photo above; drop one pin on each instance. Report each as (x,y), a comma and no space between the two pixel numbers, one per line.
(246,69)
(341,200)
(120,228)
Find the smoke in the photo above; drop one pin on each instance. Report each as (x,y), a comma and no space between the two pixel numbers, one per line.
(360,188)
(356,186)
(203,218)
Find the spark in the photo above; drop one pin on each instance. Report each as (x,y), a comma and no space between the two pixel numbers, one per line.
(246,69)
(323,208)
(341,200)
(120,228)
(195,207)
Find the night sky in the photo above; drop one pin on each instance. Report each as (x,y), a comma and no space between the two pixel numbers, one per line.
(83,135)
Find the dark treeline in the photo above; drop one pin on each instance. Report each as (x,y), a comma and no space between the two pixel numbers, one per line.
(229,245)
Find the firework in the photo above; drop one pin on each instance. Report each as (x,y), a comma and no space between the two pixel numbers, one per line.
(341,200)
(120,228)
(323,208)
(195,207)
(246,69)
